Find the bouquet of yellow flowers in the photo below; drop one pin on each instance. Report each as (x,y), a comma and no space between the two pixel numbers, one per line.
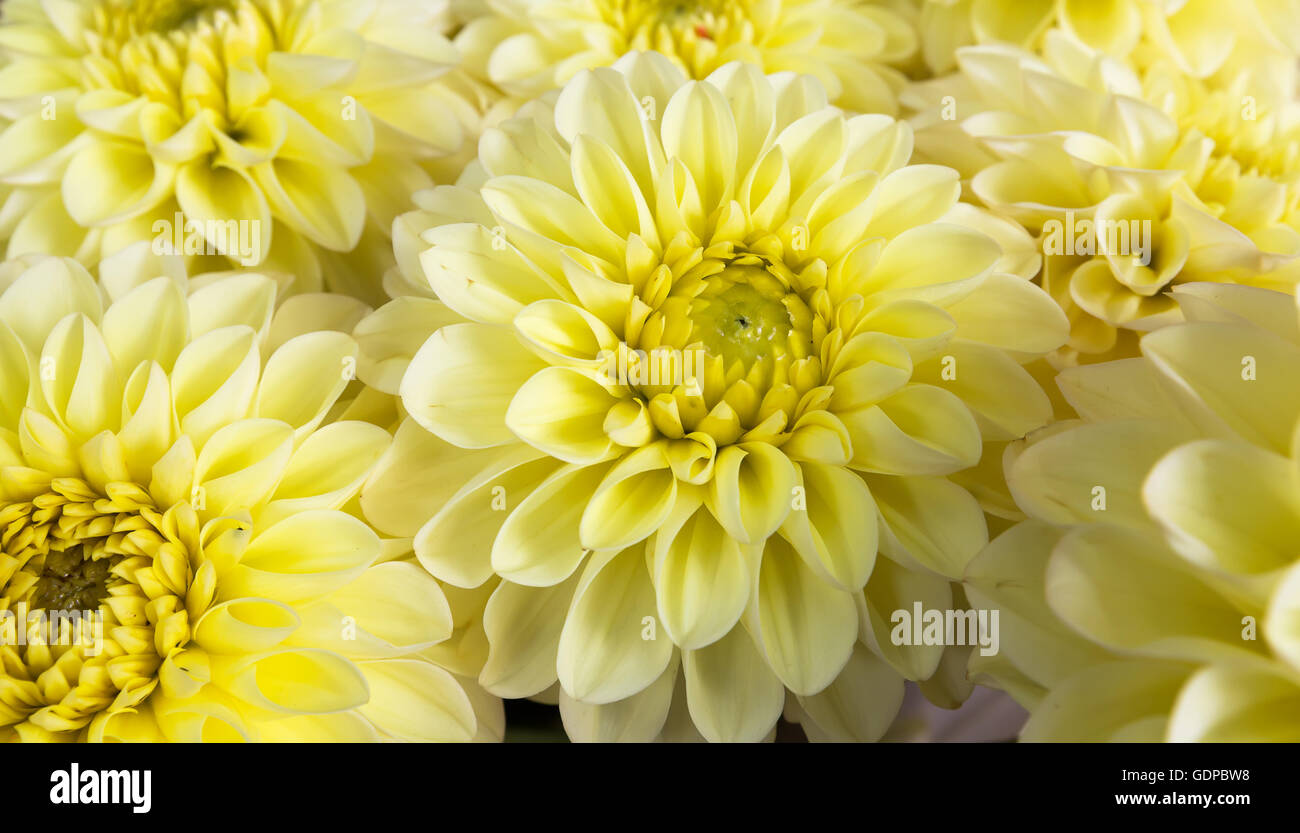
(726,370)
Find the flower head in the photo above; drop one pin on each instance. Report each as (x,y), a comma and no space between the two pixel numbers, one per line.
(281,133)
(687,374)
(1133,183)
(1193,35)
(1159,567)
(179,558)
(852,46)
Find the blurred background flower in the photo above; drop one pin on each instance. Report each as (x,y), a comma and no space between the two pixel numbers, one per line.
(1154,592)
(309,122)
(1133,183)
(525,47)
(178,467)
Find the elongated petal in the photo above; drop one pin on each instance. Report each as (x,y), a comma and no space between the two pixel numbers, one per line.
(604,652)
(806,627)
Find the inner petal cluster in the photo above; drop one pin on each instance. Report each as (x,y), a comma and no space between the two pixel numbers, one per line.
(94,593)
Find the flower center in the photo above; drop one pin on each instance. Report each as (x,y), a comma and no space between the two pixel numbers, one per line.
(160,16)
(746,331)
(668,12)
(692,31)
(742,315)
(114,563)
(71,581)
(176,52)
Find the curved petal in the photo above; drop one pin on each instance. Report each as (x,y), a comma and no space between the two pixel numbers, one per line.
(461,383)
(539,543)
(609,648)
(702,580)
(523,626)
(635,719)
(561,411)
(920,430)
(1238,705)
(806,627)
(732,695)
(417,701)
(752,490)
(1227,505)
(834,527)
(631,502)
(862,702)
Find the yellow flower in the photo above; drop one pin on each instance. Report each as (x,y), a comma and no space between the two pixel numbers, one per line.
(1196,36)
(1127,199)
(281,133)
(1156,590)
(180,558)
(527,48)
(686,376)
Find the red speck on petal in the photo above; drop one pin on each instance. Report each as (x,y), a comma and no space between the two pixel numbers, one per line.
(702,31)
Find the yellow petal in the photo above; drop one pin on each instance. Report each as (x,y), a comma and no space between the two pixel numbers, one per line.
(702,579)
(1227,505)
(80,379)
(539,543)
(806,627)
(631,502)
(922,429)
(1123,590)
(420,472)
(635,719)
(604,652)
(461,382)
(241,464)
(1204,364)
(303,379)
(1009,575)
(1238,705)
(160,302)
(523,626)
(391,336)
(246,299)
(243,626)
(214,381)
(752,490)
(732,694)
(1101,702)
(834,527)
(304,557)
(417,701)
(44,294)
(893,588)
(862,702)
(292,680)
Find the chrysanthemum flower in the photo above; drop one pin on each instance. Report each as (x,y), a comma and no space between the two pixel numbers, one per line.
(691,370)
(180,558)
(526,48)
(1127,200)
(283,133)
(1194,35)
(1155,593)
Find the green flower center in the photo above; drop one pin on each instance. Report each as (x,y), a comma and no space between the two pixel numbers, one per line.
(71,581)
(743,315)
(160,16)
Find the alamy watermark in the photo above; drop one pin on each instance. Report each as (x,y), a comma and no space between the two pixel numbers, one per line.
(1098,237)
(53,627)
(919,626)
(665,366)
(237,239)
(132,787)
